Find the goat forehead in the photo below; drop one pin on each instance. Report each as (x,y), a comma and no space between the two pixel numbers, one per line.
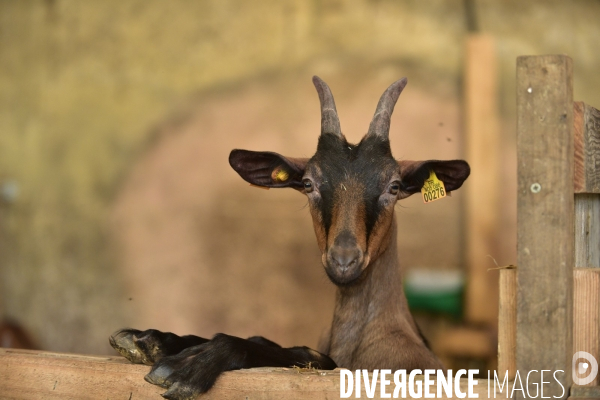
(367,164)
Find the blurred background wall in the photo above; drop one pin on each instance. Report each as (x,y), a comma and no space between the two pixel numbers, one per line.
(118,206)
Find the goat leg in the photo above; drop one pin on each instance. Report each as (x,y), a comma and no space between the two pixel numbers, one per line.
(196,369)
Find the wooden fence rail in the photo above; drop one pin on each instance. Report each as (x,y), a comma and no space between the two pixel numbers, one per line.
(26,374)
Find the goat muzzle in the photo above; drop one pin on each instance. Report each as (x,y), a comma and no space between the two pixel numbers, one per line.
(344,263)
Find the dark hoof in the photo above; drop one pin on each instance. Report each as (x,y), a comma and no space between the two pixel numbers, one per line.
(159,374)
(180,391)
(124,342)
(150,344)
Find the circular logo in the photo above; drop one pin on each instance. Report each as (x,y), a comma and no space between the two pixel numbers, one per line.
(584,371)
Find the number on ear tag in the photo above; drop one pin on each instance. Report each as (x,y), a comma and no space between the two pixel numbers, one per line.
(433,189)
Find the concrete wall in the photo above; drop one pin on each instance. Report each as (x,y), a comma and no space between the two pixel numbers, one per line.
(116,118)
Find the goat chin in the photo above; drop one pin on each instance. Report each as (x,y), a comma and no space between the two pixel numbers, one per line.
(350,278)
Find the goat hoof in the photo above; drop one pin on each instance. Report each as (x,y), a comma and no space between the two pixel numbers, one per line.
(150,345)
(139,347)
(180,391)
(123,342)
(159,374)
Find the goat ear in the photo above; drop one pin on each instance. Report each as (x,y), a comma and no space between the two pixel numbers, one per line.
(267,169)
(414,173)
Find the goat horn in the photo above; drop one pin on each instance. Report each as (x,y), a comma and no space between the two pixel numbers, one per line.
(380,125)
(330,123)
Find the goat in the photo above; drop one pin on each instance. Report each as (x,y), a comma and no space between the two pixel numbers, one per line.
(351,190)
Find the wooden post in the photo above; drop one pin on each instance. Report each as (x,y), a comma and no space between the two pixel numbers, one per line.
(507,323)
(545,219)
(482,144)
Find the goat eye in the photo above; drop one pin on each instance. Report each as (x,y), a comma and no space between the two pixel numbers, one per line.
(394,188)
(308,186)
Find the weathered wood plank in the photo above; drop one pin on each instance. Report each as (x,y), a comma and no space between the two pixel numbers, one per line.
(586,120)
(482,137)
(586,317)
(545,216)
(587,230)
(30,374)
(586,313)
(42,375)
(507,323)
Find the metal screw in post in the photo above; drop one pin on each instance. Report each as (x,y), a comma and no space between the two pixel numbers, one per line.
(536,187)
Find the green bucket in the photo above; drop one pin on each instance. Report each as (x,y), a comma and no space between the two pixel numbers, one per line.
(435,291)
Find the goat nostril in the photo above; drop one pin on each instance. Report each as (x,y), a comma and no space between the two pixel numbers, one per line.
(345,258)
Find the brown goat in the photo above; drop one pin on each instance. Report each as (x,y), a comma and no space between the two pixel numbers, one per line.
(351,191)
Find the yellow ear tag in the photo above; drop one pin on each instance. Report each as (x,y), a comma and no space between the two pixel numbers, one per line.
(433,189)
(280,175)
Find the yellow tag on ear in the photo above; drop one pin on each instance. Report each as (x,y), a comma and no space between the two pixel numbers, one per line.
(280,175)
(433,189)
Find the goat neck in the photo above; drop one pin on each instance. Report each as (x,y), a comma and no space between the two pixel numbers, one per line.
(372,309)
